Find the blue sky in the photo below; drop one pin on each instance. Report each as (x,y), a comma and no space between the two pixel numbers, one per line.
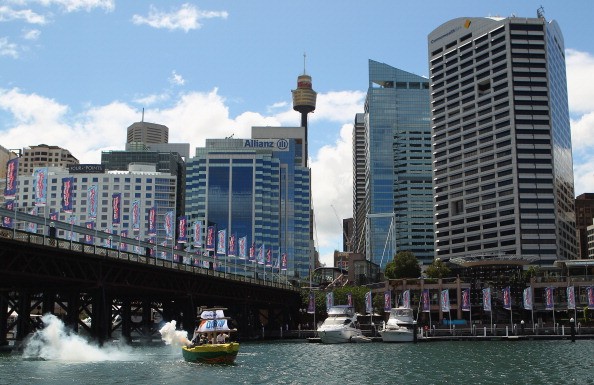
(76,73)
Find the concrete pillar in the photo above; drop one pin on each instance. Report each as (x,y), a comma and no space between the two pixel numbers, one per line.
(24,310)
(3,318)
(126,312)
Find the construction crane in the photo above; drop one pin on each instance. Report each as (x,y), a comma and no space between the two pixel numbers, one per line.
(348,241)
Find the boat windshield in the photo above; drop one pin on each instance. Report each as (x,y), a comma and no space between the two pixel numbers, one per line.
(401,313)
(337,321)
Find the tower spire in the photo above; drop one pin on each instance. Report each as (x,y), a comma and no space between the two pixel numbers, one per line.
(304,101)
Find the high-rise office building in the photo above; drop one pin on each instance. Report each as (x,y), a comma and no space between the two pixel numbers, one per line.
(257,188)
(170,163)
(502,158)
(398,189)
(584,215)
(359,167)
(148,133)
(44,155)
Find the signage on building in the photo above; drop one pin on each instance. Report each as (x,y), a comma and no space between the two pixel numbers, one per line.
(86,169)
(272,144)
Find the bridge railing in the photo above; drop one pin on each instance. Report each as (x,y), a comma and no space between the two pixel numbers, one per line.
(115,253)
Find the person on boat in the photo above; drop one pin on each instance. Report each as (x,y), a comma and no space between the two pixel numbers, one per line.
(221,338)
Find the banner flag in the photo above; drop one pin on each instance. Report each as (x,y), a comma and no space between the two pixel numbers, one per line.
(137,248)
(7,221)
(527,298)
(32,227)
(40,186)
(507,298)
(169,225)
(329,300)
(123,245)
(152,222)
(261,255)
(268,258)
(387,300)
(570,298)
(350,299)
(311,306)
(406,299)
(210,238)
(243,247)
(92,201)
(232,252)
(252,255)
(466,299)
(72,234)
(445,300)
(549,298)
(67,187)
(89,239)
(284,262)
(368,303)
(590,293)
(116,205)
(136,216)
(198,234)
(487,299)
(182,225)
(10,190)
(54,216)
(222,242)
(425,300)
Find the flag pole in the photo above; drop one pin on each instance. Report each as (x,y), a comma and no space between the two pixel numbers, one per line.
(532,307)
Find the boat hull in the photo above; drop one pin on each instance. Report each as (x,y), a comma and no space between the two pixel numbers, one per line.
(339,336)
(397,335)
(212,354)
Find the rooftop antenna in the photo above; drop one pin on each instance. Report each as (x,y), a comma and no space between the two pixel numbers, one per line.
(304,56)
(142,115)
(540,12)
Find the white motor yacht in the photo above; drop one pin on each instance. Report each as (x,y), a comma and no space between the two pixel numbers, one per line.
(400,326)
(341,326)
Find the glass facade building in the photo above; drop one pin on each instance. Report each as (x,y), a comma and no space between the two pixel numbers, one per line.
(256,188)
(398,187)
(501,139)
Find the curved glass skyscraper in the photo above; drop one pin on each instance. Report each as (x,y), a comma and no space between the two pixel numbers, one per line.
(398,189)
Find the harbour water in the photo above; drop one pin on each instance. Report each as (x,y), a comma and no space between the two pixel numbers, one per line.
(299,362)
(59,359)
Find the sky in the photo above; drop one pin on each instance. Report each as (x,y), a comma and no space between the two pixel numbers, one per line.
(77,73)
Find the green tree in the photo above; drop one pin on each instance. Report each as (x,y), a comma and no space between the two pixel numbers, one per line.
(438,269)
(404,265)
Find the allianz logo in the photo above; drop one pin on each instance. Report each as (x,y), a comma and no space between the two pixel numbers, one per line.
(281,144)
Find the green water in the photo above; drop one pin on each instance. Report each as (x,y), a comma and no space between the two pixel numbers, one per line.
(292,362)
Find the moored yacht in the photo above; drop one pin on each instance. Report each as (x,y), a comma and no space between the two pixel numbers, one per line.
(400,326)
(340,326)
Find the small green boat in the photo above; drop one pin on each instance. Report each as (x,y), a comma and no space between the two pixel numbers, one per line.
(213,348)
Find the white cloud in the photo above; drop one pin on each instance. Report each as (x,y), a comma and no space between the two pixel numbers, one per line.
(7,48)
(149,100)
(186,18)
(176,79)
(580,82)
(31,34)
(78,5)
(26,15)
(332,191)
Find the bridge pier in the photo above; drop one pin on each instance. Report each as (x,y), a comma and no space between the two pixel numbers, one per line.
(49,302)
(24,318)
(126,314)
(72,310)
(3,318)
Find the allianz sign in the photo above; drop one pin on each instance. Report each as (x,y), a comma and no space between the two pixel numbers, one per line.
(272,144)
